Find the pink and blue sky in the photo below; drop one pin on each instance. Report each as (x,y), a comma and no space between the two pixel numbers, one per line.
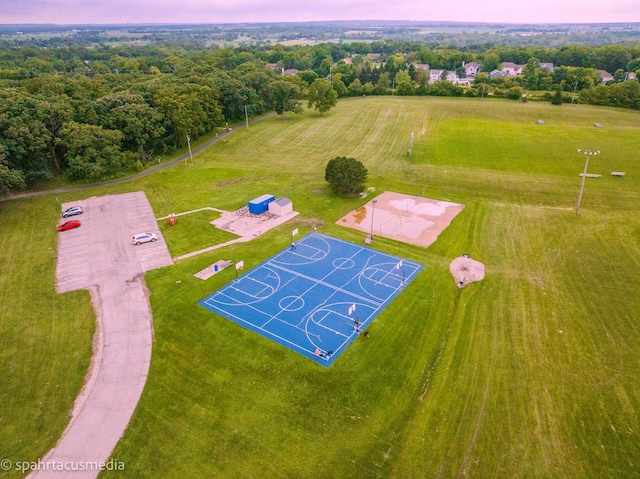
(237,11)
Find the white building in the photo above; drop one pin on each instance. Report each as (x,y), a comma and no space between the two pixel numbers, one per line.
(471,69)
(511,69)
(281,206)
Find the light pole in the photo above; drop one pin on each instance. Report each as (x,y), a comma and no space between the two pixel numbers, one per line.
(373,210)
(189,144)
(587,154)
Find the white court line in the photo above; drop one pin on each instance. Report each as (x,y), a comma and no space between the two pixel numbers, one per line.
(329,285)
(268,333)
(318,323)
(313,258)
(375,306)
(385,276)
(316,281)
(336,289)
(232,287)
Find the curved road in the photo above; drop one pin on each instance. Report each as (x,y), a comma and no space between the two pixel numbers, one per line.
(142,174)
(113,271)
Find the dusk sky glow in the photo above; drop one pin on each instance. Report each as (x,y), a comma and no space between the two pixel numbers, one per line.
(261,11)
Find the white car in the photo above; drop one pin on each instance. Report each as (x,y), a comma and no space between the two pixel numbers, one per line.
(74,210)
(144,238)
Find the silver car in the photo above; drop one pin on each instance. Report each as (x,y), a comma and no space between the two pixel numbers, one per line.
(144,238)
(74,210)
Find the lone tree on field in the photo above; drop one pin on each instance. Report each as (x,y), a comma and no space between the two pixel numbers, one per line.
(346,175)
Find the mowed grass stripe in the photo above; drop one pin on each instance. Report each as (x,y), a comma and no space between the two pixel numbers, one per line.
(477,382)
(45,338)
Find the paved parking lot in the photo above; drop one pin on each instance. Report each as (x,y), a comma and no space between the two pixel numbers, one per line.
(100,256)
(104,241)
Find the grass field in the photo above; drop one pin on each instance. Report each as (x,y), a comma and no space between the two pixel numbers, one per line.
(530,373)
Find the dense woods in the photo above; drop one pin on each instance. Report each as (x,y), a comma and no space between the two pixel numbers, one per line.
(103,111)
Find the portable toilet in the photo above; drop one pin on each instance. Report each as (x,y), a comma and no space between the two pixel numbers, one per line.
(260,204)
(281,206)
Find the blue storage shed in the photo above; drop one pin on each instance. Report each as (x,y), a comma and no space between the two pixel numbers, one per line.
(260,204)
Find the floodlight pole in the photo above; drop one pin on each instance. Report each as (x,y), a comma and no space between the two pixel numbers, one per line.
(587,154)
(246,116)
(373,210)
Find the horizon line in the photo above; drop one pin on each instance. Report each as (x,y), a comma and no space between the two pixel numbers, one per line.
(313,21)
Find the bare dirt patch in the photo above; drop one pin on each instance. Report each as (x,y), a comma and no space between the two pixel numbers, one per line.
(410,219)
(466,270)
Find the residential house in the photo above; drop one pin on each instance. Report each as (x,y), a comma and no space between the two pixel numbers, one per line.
(605,76)
(495,74)
(548,65)
(452,77)
(434,75)
(511,69)
(471,69)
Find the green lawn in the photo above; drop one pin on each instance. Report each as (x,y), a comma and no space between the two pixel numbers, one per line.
(529,373)
(195,232)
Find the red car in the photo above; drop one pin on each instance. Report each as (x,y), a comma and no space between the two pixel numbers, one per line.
(69,225)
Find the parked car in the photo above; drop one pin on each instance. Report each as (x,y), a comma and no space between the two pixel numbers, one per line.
(144,238)
(69,225)
(74,210)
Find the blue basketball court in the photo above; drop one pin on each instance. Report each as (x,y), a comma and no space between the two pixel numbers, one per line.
(314,298)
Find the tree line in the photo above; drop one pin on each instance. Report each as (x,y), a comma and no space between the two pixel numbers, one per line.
(96,113)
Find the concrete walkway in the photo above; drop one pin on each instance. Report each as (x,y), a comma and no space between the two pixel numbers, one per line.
(247,227)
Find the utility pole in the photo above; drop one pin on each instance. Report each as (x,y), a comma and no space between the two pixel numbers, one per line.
(189,144)
(587,154)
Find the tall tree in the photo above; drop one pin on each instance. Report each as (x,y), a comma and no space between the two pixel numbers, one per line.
(190,108)
(9,178)
(285,95)
(93,152)
(404,83)
(321,95)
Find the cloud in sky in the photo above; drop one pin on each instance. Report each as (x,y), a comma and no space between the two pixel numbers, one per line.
(233,11)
